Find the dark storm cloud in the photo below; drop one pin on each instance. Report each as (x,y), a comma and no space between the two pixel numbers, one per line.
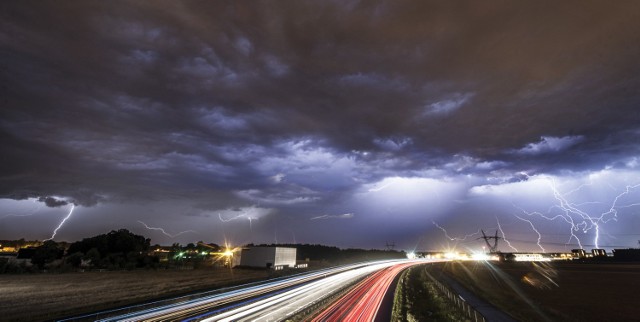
(287,104)
(53,202)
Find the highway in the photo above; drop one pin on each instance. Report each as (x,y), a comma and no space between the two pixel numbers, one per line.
(271,301)
(286,304)
(363,301)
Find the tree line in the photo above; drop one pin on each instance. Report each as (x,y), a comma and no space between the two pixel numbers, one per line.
(116,250)
(122,249)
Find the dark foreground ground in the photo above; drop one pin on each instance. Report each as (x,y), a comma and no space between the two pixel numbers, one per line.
(527,291)
(558,291)
(34,297)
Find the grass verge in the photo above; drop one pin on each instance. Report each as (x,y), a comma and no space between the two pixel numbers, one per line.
(417,299)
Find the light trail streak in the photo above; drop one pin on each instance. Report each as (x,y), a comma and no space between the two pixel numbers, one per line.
(55,231)
(283,306)
(278,297)
(363,302)
(166,233)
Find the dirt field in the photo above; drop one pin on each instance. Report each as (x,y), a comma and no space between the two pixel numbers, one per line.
(584,291)
(36,297)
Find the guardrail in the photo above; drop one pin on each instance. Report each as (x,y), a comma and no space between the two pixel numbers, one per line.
(458,301)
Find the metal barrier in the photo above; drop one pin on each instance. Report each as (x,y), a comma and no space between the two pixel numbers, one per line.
(458,301)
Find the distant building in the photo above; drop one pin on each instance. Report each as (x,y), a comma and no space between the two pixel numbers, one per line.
(599,253)
(275,258)
(560,256)
(162,252)
(627,255)
(578,253)
(530,257)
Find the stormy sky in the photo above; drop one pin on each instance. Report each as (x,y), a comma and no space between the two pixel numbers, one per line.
(353,124)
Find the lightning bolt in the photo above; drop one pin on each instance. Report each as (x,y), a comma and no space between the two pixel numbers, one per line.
(567,219)
(454,238)
(27,214)
(578,219)
(166,233)
(376,189)
(251,219)
(534,229)
(55,231)
(324,217)
(587,223)
(504,237)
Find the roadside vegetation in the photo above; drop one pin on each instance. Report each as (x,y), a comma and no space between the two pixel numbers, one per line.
(417,299)
(116,250)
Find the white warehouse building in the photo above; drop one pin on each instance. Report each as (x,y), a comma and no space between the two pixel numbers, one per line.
(270,257)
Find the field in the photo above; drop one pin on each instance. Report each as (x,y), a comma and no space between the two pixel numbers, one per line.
(32,297)
(569,292)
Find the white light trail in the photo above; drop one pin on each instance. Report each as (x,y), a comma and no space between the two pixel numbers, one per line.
(55,231)
(166,233)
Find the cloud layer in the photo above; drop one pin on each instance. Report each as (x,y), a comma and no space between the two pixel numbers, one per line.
(298,107)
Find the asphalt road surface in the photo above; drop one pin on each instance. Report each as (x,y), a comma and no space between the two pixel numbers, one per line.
(274,300)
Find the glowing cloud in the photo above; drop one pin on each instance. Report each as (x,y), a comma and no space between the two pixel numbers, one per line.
(448,105)
(550,144)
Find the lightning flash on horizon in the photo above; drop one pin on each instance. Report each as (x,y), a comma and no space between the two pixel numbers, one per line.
(249,218)
(166,233)
(324,217)
(27,214)
(446,234)
(578,219)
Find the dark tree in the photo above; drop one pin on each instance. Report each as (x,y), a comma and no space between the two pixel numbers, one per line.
(75,259)
(47,253)
(93,255)
(116,249)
